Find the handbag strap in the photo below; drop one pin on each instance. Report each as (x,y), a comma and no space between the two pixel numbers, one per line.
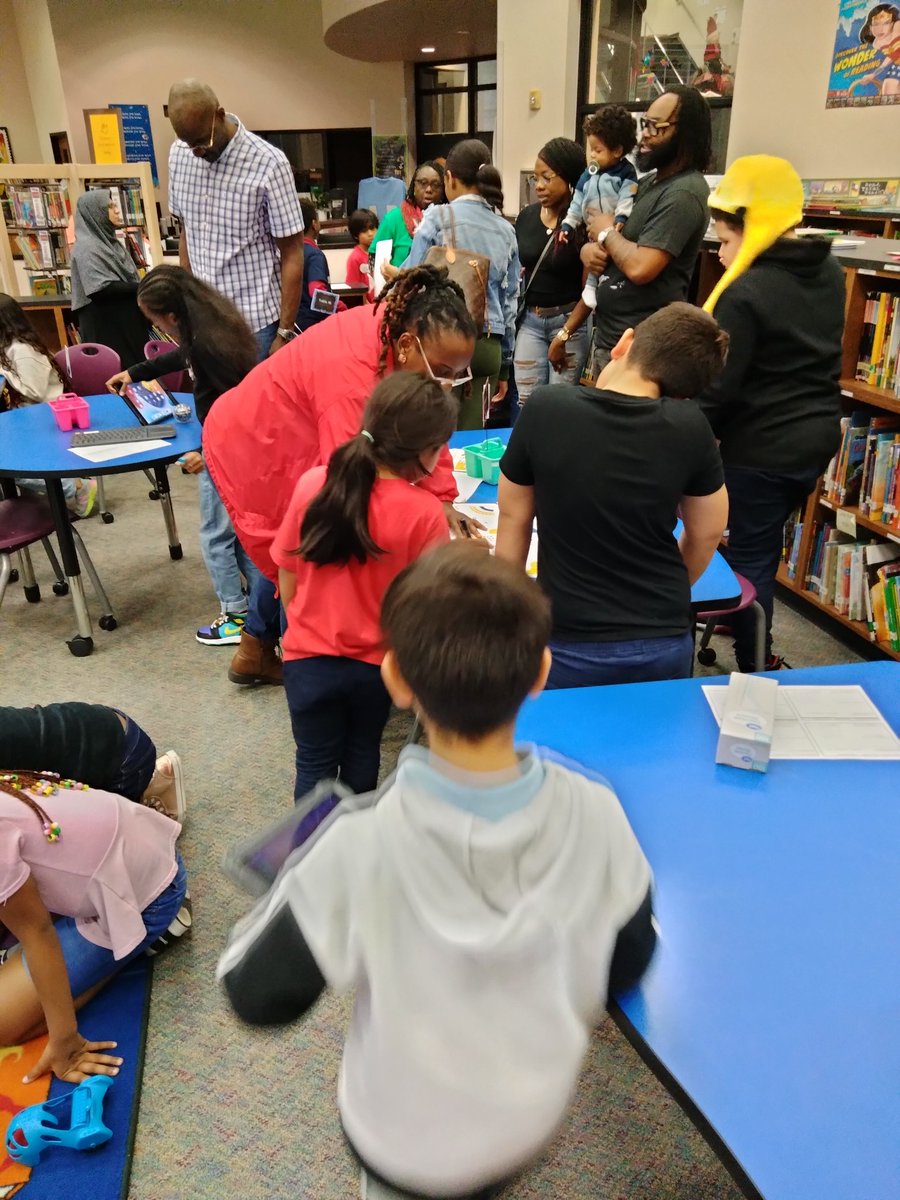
(537,266)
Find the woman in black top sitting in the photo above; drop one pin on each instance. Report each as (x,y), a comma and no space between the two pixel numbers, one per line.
(552,341)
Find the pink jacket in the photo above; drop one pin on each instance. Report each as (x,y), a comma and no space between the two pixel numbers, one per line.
(288,415)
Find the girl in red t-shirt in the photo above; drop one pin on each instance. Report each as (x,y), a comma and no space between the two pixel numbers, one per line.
(358,523)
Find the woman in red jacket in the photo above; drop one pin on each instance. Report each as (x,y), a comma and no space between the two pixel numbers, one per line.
(297,406)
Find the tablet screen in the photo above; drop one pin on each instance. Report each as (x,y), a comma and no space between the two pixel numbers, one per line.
(266,860)
(150,401)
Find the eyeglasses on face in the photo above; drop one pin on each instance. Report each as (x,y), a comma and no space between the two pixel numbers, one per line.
(428,185)
(544,177)
(204,145)
(652,127)
(443,381)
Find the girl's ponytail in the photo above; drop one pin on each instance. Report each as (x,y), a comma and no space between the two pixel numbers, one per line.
(406,416)
(470,161)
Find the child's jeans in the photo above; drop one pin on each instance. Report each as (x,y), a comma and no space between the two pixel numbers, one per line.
(88,964)
(339,708)
(138,761)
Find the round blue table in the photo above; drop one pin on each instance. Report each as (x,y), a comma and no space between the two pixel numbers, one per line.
(31,445)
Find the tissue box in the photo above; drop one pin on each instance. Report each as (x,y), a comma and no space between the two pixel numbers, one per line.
(748,722)
(483,460)
(71,410)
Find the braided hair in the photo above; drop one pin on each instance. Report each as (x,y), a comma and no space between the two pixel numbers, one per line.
(19,783)
(423,300)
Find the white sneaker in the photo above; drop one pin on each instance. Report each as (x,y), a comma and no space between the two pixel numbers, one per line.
(589,295)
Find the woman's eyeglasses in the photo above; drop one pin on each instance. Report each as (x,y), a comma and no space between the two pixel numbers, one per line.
(547,177)
(444,381)
(428,185)
(652,127)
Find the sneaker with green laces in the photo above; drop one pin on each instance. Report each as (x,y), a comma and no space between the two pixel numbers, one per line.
(224,631)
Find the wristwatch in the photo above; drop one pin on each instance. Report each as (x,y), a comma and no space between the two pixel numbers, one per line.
(603,235)
(563,334)
(287,335)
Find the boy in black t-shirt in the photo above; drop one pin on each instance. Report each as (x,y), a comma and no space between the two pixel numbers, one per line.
(607,470)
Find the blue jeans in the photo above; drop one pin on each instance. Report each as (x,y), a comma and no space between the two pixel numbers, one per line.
(265,616)
(264,338)
(339,708)
(225,557)
(138,761)
(759,503)
(532,344)
(88,964)
(589,664)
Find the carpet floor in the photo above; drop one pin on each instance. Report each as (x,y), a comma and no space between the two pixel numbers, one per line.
(228,1111)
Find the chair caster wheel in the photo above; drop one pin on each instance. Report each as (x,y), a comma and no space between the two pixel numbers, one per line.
(107,518)
(108,621)
(33,593)
(706,657)
(80,646)
(14,576)
(176,552)
(61,588)
(154,495)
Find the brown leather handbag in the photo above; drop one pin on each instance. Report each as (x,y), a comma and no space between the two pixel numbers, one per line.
(470,270)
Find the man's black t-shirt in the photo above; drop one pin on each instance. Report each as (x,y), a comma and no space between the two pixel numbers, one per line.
(559,279)
(671,216)
(608,473)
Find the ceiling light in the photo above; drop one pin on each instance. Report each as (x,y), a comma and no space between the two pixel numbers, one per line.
(428,49)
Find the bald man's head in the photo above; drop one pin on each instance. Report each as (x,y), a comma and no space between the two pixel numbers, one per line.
(198,119)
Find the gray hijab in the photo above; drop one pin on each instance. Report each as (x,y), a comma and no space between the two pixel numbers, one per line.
(98,257)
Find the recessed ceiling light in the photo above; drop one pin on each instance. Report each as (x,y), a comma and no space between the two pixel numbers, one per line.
(428,49)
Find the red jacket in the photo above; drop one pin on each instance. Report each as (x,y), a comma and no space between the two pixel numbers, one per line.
(288,415)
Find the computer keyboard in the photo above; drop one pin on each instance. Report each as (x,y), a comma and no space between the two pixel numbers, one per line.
(128,433)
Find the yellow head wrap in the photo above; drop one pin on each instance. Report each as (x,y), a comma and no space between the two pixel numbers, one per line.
(770,192)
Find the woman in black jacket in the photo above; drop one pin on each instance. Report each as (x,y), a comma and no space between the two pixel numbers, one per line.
(776,407)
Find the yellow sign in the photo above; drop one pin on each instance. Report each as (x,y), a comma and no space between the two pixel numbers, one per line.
(104,128)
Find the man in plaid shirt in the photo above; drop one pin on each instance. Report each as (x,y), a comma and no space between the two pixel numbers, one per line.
(242,227)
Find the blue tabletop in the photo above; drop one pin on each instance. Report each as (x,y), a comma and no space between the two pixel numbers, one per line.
(31,443)
(773,996)
(716,587)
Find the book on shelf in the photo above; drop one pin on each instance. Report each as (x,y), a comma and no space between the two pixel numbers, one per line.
(864,471)
(860,580)
(40,206)
(878,361)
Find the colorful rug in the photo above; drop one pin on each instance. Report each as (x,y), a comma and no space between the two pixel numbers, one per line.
(119,1013)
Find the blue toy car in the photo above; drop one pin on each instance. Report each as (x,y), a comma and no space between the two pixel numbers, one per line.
(35,1128)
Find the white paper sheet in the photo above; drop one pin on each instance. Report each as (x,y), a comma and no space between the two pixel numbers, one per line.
(100,454)
(466,486)
(383,253)
(824,722)
(489,516)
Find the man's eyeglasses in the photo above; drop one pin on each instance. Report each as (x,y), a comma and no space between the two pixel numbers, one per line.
(547,177)
(652,127)
(204,145)
(442,380)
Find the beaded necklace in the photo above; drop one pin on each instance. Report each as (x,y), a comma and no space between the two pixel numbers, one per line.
(43,783)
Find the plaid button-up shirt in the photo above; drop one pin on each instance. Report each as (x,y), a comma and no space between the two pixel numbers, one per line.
(231,212)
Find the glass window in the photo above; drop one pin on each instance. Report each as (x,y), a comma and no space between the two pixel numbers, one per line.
(487,71)
(445,114)
(486,112)
(637,51)
(443,75)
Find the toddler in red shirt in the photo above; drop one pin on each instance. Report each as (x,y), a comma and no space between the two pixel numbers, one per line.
(349,530)
(363,225)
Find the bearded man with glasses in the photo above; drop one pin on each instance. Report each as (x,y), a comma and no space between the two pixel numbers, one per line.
(649,263)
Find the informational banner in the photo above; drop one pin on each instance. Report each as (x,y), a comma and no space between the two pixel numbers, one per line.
(137,135)
(389,156)
(831,194)
(104,130)
(865,66)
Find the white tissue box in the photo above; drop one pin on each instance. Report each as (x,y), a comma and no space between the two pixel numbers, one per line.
(748,722)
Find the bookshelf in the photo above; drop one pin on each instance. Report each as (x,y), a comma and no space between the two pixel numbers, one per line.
(36,231)
(850,508)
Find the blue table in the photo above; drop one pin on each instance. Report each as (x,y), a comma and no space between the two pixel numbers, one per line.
(31,445)
(717,587)
(771,1005)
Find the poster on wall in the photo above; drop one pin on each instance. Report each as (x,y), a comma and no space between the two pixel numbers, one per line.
(137,135)
(104,130)
(6,155)
(865,66)
(389,156)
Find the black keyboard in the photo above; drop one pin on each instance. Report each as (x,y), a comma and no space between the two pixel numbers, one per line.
(128,433)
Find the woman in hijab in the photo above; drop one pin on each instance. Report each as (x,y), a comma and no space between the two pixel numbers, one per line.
(552,338)
(104,280)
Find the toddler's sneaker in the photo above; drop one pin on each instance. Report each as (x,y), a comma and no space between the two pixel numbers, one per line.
(85,497)
(589,295)
(224,631)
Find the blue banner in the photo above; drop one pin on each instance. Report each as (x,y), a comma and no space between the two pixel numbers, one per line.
(138,138)
(865,66)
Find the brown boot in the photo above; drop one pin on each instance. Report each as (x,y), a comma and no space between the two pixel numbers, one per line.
(254,662)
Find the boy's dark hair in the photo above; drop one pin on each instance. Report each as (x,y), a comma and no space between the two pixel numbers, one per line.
(468,631)
(470,162)
(310,214)
(733,220)
(614,126)
(680,348)
(360,221)
(406,416)
(425,301)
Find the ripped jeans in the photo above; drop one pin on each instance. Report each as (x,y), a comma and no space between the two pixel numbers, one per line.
(532,344)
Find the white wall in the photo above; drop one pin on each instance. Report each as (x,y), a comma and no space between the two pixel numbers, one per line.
(265,59)
(779,97)
(16,112)
(537,49)
(48,104)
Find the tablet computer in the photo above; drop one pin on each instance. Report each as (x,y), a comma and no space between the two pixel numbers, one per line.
(150,402)
(255,863)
